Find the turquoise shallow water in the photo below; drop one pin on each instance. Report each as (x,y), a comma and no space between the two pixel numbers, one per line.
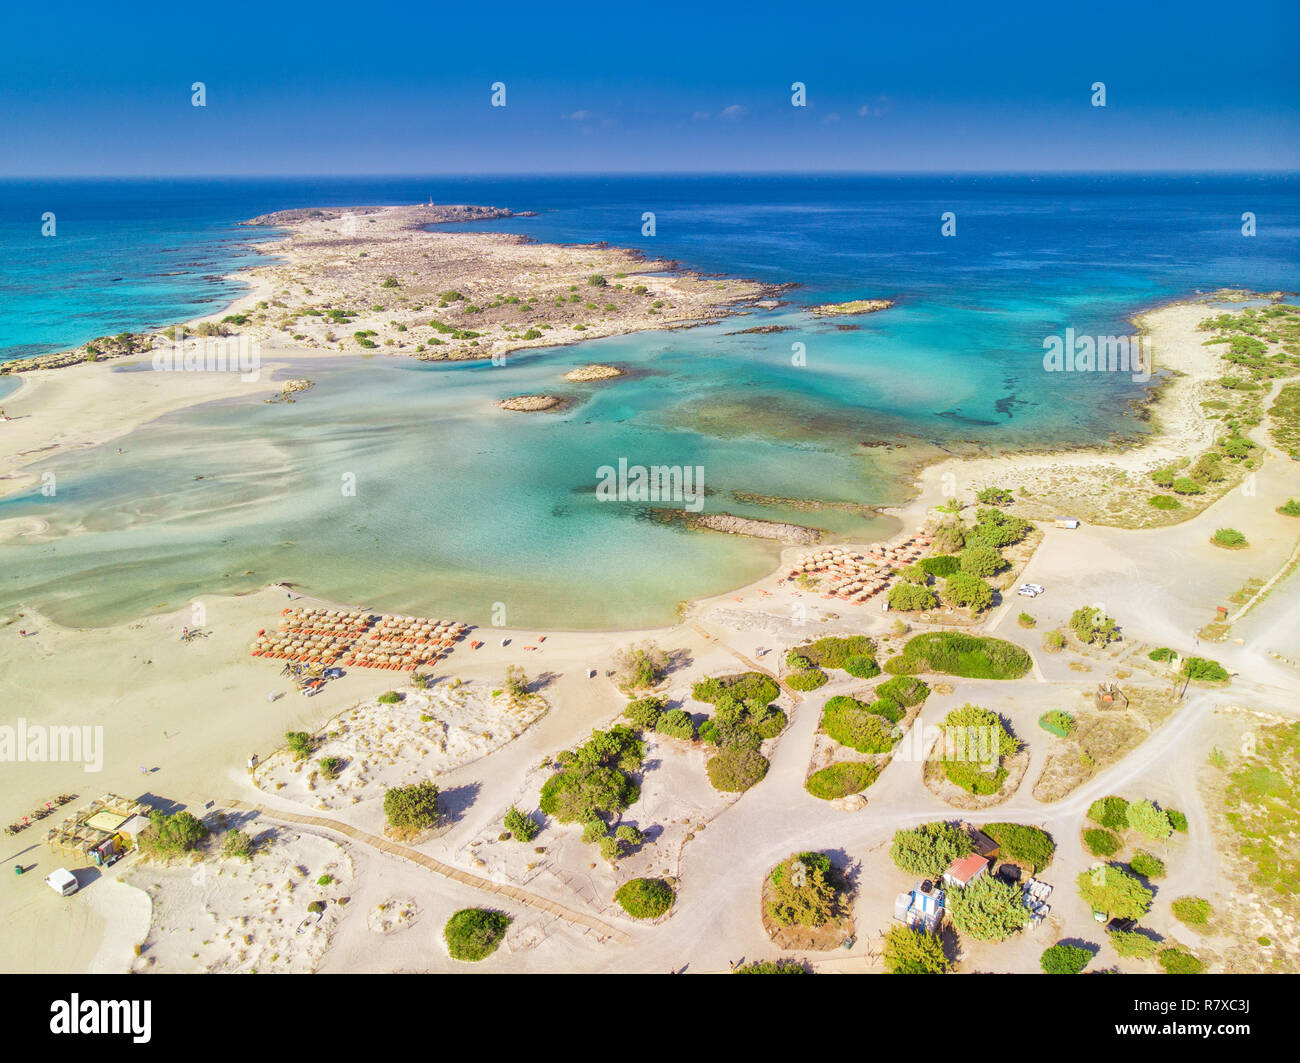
(459,506)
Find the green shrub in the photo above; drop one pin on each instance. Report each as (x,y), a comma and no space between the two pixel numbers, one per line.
(389,697)
(988,909)
(1130,943)
(835,651)
(910,950)
(1146,864)
(1163,653)
(645,712)
(804,891)
(645,898)
(904,690)
(852,723)
(1057,722)
(967,592)
(1149,821)
(1064,959)
(1203,670)
(969,656)
(941,566)
(911,598)
(982,560)
(473,934)
(577,794)
(521,827)
(736,769)
(1194,911)
(1290,509)
(1114,893)
(1100,842)
(974,743)
(1164,502)
(841,780)
(810,679)
(862,667)
(237,845)
(1177,820)
(1178,961)
(300,743)
(1185,485)
(171,835)
(1024,844)
(1229,538)
(746,686)
(1025,620)
(412,808)
(1109,812)
(1053,641)
(994,496)
(1093,627)
(772,967)
(927,850)
(331,766)
(676,723)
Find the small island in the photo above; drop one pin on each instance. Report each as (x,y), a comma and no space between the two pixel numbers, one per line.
(531,403)
(593,372)
(853,306)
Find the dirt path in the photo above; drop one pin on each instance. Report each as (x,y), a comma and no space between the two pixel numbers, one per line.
(465,878)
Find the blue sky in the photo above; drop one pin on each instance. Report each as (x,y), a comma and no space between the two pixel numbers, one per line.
(380,88)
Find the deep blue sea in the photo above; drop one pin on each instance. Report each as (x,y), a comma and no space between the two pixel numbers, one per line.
(233,495)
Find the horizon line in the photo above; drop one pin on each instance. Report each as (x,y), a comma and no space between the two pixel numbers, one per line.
(414,174)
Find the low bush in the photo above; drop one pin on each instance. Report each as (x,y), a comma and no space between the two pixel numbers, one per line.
(1146,864)
(969,656)
(412,808)
(521,827)
(841,780)
(676,723)
(1100,842)
(1179,961)
(473,934)
(941,565)
(1229,539)
(1109,812)
(645,898)
(772,967)
(1194,911)
(927,850)
(736,769)
(1064,959)
(808,679)
(1023,844)
(904,690)
(852,723)
(1131,944)
(1057,722)
(910,950)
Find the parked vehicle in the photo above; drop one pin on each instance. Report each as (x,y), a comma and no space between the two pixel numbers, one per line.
(63,882)
(1031,590)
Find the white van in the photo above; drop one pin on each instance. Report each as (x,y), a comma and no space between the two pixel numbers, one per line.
(63,882)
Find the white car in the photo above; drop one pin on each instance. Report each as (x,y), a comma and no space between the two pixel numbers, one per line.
(1031,590)
(63,882)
